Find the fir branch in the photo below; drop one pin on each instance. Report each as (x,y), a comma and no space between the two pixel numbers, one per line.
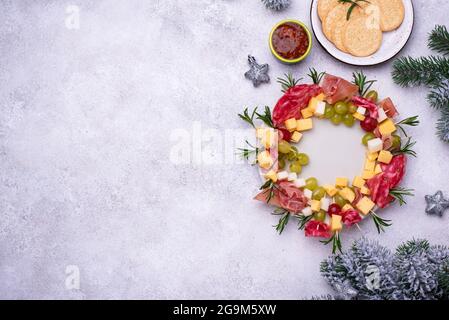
(438,97)
(429,71)
(380,223)
(363,84)
(315,76)
(407,148)
(288,82)
(266,117)
(247,117)
(269,187)
(283,221)
(302,220)
(443,280)
(399,194)
(354,4)
(439,40)
(443,125)
(245,153)
(336,242)
(411,121)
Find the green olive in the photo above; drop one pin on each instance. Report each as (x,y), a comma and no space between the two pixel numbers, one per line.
(396,142)
(340,200)
(284,147)
(348,120)
(341,108)
(329,111)
(311,184)
(337,119)
(320,216)
(367,137)
(318,193)
(303,159)
(295,167)
(352,108)
(372,95)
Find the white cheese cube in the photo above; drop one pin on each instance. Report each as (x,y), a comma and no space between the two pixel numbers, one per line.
(325,203)
(375,145)
(292,176)
(282,175)
(320,109)
(361,110)
(299,183)
(308,193)
(307,211)
(382,115)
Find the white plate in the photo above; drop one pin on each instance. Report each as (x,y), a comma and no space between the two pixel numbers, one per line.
(392,43)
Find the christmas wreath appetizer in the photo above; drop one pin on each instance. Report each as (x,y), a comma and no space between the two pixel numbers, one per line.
(325,210)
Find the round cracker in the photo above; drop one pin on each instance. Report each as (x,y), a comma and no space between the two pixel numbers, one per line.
(392,13)
(361,38)
(340,28)
(336,15)
(324,6)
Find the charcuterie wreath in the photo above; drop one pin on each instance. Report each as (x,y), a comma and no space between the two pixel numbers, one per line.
(325,210)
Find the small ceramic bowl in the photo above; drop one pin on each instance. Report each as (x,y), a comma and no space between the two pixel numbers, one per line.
(309,36)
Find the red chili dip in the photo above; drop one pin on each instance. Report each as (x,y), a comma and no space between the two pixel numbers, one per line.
(290,41)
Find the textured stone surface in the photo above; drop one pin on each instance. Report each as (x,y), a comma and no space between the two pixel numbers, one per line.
(85,176)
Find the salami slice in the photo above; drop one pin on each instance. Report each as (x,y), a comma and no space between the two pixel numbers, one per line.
(395,170)
(369,105)
(317,229)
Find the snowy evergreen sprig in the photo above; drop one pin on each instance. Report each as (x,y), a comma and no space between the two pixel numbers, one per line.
(433,72)
(416,271)
(276,5)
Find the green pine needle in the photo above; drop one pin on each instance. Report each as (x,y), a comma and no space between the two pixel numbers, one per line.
(315,76)
(439,40)
(380,223)
(336,242)
(438,97)
(361,81)
(443,125)
(428,71)
(399,194)
(288,82)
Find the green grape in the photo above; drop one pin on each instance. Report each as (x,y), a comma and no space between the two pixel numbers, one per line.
(320,216)
(295,167)
(337,119)
(311,184)
(292,156)
(341,108)
(367,137)
(340,200)
(294,149)
(303,159)
(352,108)
(284,147)
(329,111)
(396,142)
(348,120)
(281,163)
(319,193)
(372,95)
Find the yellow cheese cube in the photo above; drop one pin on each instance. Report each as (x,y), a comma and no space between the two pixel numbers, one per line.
(370,165)
(347,207)
(271,175)
(378,169)
(359,116)
(336,224)
(269,137)
(315,205)
(385,157)
(387,127)
(372,156)
(341,182)
(347,194)
(314,102)
(365,191)
(307,113)
(331,190)
(264,160)
(365,205)
(320,97)
(260,132)
(358,182)
(290,124)
(296,136)
(368,174)
(304,124)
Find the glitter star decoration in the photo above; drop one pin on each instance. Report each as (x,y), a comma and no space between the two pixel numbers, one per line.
(258,73)
(436,204)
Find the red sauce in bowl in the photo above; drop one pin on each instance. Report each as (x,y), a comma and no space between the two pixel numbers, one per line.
(290,41)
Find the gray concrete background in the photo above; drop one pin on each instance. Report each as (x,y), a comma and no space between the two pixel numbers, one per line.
(85,176)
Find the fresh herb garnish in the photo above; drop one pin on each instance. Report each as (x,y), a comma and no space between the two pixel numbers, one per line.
(336,242)
(269,188)
(315,76)
(265,117)
(247,117)
(302,220)
(363,84)
(399,194)
(245,153)
(283,221)
(288,82)
(407,148)
(412,122)
(354,4)
(380,223)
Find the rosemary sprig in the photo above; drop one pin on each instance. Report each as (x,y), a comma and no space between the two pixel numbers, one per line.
(245,153)
(288,82)
(269,186)
(336,242)
(247,117)
(354,3)
(407,148)
(302,220)
(283,221)
(380,223)
(265,117)
(363,84)
(315,76)
(411,121)
(399,194)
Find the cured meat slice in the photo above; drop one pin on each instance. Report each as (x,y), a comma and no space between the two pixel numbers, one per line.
(369,105)
(395,170)
(351,217)
(338,89)
(389,108)
(286,196)
(317,229)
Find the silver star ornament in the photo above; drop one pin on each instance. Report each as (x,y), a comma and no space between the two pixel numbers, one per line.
(436,204)
(258,73)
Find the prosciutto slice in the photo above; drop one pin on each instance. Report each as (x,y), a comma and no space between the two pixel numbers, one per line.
(389,108)
(338,89)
